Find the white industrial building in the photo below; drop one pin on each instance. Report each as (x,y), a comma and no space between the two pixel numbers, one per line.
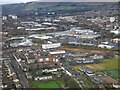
(38,25)
(116,86)
(53,45)
(28,22)
(86,33)
(34,29)
(20,27)
(43,37)
(104,42)
(86,71)
(115,31)
(47,23)
(25,43)
(16,38)
(105,46)
(40,36)
(57,52)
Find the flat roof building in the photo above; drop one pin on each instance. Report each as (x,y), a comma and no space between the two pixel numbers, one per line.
(86,71)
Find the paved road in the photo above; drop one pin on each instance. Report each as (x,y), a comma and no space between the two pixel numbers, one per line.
(19,72)
(79,76)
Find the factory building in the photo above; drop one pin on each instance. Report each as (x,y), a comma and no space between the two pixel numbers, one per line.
(53,45)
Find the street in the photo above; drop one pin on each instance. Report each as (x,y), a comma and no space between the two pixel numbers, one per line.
(18,71)
(77,75)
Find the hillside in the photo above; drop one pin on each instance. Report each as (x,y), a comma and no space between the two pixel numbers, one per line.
(54,6)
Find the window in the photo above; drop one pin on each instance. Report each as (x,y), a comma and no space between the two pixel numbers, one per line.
(40,60)
(47,59)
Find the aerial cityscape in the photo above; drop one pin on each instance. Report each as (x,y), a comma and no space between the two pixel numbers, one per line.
(60,45)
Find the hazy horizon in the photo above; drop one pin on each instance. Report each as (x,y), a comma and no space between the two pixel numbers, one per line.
(25,1)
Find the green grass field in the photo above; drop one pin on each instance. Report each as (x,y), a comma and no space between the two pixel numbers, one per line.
(107,65)
(60,82)
(113,73)
(51,84)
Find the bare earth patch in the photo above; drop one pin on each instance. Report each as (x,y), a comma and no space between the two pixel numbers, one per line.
(90,66)
(86,50)
(95,67)
(109,79)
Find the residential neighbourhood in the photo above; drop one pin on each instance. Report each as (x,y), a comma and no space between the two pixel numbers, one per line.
(61,49)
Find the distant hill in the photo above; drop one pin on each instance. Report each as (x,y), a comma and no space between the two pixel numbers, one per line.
(53,6)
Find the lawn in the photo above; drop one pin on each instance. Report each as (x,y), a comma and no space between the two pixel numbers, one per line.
(60,82)
(51,84)
(113,73)
(107,65)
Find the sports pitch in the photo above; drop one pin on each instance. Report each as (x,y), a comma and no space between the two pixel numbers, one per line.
(51,84)
(113,73)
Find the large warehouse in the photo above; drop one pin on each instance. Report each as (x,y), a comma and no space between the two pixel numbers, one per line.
(53,45)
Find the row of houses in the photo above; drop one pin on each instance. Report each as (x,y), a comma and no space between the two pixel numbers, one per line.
(85,61)
(43,65)
(83,56)
(43,78)
(12,75)
(67,72)
(47,58)
(51,70)
(38,56)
